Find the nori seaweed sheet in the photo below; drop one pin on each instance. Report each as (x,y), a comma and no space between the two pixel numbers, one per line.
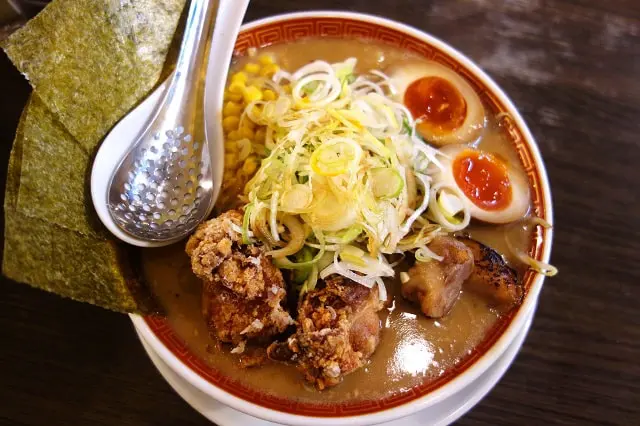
(67,263)
(91,61)
(48,256)
(53,185)
(14,168)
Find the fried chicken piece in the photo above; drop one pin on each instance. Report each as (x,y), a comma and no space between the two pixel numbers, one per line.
(243,293)
(436,285)
(212,243)
(338,330)
(492,278)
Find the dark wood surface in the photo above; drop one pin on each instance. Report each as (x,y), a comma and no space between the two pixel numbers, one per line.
(573,69)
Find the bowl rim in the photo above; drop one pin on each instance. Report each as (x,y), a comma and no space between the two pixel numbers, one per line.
(477,395)
(478,366)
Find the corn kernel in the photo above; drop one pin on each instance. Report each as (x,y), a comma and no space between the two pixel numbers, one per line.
(252,68)
(239,77)
(287,88)
(231,108)
(269,70)
(230,160)
(230,123)
(252,93)
(250,165)
(265,59)
(237,87)
(246,132)
(234,97)
(234,135)
(230,147)
(261,134)
(269,95)
(248,123)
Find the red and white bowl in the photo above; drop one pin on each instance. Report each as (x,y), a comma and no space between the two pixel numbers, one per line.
(162,340)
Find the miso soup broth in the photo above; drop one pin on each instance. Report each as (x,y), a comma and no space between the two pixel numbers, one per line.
(413,348)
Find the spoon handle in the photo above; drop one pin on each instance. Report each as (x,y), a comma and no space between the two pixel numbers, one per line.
(228,21)
(187,83)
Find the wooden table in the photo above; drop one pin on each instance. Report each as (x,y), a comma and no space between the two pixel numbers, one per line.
(573,69)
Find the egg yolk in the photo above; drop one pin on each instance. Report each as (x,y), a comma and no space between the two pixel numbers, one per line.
(483,178)
(438,104)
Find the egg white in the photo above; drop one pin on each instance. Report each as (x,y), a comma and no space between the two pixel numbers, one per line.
(520,195)
(471,129)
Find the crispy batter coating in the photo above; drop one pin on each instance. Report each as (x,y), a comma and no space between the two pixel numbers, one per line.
(338,330)
(243,292)
(212,243)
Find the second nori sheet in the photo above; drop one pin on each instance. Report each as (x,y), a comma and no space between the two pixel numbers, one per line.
(54,174)
(60,260)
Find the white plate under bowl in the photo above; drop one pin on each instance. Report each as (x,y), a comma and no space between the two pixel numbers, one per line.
(440,414)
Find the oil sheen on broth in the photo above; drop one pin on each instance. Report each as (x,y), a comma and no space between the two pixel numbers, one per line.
(412,349)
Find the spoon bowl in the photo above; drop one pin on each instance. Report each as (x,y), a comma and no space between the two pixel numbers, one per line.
(158,172)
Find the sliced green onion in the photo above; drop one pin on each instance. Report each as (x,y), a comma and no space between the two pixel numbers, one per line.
(451,205)
(406,127)
(424,254)
(285,263)
(352,250)
(311,281)
(344,70)
(385,182)
(296,198)
(543,268)
(353,254)
(351,234)
(310,87)
(440,216)
(245,224)
(302,178)
(300,275)
(352,259)
(273,212)
(296,237)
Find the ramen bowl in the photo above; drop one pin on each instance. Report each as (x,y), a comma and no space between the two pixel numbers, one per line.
(165,343)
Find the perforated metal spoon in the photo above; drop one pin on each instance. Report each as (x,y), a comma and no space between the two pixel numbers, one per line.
(155,189)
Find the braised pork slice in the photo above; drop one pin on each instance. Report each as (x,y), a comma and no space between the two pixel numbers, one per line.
(436,285)
(338,330)
(492,278)
(243,293)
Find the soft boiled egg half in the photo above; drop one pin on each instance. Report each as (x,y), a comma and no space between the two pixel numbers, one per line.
(445,107)
(491,188)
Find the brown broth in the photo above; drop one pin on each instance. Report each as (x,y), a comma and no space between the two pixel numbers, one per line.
(413,348)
